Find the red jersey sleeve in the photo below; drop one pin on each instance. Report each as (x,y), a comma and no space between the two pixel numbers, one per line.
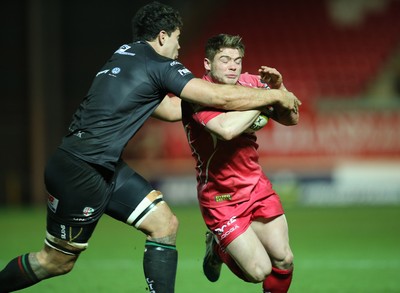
(251,80)
(203,116)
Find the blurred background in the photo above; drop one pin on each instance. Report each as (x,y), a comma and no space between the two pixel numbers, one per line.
(341,58)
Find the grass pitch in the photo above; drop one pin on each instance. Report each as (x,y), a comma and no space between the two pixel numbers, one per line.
(346,249)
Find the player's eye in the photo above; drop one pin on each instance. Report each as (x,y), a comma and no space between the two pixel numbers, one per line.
(224,59)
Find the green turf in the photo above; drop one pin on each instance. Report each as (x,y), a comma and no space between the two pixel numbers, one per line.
(336,250)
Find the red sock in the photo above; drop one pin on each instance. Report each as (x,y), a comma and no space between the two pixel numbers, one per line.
(230,262)
(278,281)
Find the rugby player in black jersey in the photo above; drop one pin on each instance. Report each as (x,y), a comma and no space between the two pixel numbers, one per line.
(86,177)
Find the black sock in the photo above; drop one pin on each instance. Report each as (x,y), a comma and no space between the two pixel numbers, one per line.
(160,264)
(17,275)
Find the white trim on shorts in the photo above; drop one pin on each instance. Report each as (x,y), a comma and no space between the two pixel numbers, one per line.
(55,240)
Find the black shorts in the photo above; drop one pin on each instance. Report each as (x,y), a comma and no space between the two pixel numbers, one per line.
(130,189)
(80,193)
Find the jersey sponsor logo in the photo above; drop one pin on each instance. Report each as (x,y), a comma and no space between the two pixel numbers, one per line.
(63,232)
(150,283)
(122,50)
(102,72)
(52,203)
(173,63)
(79,133)
(115,70)
(183,71)
(111,72)
(224,235)
(223,197)
(229,225)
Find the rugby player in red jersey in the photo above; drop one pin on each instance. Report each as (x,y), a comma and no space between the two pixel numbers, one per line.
(247,226)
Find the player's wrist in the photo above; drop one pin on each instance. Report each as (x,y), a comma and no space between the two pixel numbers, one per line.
(273,96)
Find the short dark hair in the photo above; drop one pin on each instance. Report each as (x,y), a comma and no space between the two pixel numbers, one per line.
(152,18)
(218,42)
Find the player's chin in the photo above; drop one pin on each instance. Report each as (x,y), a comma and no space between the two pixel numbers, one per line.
(230,80)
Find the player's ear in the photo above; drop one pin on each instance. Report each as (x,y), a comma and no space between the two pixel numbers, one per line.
(207,64)
(162,37)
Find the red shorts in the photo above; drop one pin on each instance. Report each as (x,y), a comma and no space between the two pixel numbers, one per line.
(230,221)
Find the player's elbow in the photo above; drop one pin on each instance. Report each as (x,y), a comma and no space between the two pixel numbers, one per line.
(289,120)
(294,119)
(226,134)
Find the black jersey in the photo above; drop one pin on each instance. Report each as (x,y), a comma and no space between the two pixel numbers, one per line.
(123,95)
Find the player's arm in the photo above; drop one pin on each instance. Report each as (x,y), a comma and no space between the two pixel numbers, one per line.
(169,109)
(235,97)
(274,79)
(284,116)
(229,125)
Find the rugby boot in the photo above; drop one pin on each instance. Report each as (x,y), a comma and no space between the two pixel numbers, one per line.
(211,263)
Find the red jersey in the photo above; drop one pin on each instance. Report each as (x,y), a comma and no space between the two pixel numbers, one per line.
(228,172)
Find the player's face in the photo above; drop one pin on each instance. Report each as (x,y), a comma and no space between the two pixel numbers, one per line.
(172,45)
(226,66)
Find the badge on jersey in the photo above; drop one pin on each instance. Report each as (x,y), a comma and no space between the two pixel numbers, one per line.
(52,203)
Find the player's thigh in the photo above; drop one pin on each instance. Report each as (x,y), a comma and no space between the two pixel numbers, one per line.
(249,253)
(78,195)
(135,202)
(273,233)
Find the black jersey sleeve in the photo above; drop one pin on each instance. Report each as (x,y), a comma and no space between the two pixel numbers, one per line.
(176,76)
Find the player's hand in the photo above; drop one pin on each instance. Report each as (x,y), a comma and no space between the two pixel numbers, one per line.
(290,101)
(271,76)
(283,115)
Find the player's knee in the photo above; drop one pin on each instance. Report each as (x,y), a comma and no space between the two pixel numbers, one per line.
(160,223)
(258,272)
(174,224)
(288,261)
(285,262)
(170,222)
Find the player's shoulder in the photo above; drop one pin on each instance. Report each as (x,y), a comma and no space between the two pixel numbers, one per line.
(250,80)
(140,50)
(126,50)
